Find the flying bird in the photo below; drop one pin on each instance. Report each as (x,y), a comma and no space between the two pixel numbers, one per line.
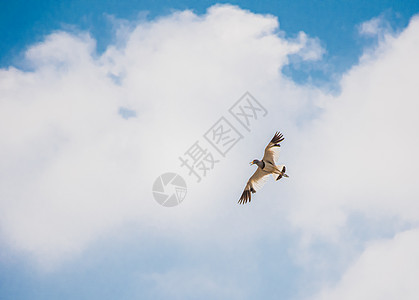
(266,167)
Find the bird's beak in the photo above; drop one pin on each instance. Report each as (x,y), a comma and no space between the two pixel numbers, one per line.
(285,175)
(251,163)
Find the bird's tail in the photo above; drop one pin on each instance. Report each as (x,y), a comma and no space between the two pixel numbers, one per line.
(282,175)
(282,170)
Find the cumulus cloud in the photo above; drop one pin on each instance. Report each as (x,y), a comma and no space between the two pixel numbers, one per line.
(358,159)
(312,50)
(374,26)
(75,169)
(387,269)
(360,153)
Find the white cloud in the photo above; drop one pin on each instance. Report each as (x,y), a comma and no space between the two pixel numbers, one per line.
(360,154)
(312,50)
(372,27)
(73,170)
(359,158)
(387,269)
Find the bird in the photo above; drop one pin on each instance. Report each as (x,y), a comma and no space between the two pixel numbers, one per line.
(266,167)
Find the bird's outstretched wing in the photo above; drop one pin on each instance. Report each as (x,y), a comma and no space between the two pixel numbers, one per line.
(272,150)
(255,183)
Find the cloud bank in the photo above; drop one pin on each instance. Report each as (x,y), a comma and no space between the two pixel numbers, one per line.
(74,170)
(72,167)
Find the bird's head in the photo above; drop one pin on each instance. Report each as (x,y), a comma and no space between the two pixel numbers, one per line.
(254,162)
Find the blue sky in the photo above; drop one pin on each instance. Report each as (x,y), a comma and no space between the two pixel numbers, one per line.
(333,22)
(89,88)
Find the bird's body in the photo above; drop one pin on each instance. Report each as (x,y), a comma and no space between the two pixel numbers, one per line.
(266,167)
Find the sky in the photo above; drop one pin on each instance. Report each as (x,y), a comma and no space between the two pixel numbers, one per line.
(100,99)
